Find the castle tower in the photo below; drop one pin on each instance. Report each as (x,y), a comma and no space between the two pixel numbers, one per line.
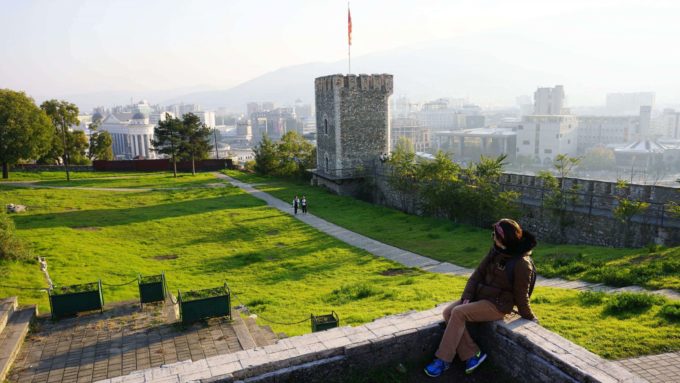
(352,123)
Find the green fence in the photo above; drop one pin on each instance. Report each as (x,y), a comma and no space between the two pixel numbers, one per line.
(325,322)
(70,300)
(152,288)
(202,304)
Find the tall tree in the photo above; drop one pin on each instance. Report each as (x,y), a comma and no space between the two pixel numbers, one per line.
(77,144)
(25,130)
(63,114)
(100,143)
(403,177)
(195,140)
(294,155)
(168,138)
(265,156)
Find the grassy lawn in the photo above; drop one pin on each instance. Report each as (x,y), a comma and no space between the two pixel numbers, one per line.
(465,245)
(18,176)
(277,265)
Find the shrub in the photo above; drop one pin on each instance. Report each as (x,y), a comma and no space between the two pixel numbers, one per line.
(348,293)
(540,299)
(11,248)
(589,298)
(671,311)
(628,303)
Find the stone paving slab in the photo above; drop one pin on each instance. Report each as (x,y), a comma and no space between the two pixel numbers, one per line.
(123,339)
(655,368)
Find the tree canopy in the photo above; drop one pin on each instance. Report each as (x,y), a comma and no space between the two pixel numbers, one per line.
(195,140)
(63,115)
(25,130)
(289,157)
(168,138)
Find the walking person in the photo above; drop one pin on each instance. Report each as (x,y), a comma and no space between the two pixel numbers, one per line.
(503,279)
(296,204)
(303,202)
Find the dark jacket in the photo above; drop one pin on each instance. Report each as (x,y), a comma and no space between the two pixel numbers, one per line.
(490,281)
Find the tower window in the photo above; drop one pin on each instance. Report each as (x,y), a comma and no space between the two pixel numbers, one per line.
(325,125)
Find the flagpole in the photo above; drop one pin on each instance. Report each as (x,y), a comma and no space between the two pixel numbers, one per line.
(349,41)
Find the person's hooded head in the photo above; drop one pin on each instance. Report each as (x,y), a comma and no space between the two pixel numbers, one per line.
(512,239)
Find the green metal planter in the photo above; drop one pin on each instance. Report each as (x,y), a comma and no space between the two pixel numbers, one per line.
(325,322)
(70,300)
(152,288)
(202,304)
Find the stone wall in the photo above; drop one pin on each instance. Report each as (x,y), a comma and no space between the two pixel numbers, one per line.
(520,348)
(589,220)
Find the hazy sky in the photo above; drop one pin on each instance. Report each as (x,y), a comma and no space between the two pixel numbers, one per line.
(55,48)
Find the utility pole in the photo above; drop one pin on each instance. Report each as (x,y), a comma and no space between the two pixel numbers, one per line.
(217,152)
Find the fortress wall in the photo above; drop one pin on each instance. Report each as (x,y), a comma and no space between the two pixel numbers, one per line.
(521,349)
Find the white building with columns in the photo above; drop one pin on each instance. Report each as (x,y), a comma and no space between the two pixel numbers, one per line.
(131,137)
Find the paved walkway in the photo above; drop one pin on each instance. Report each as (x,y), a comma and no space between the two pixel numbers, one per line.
(666,367)
(655,368)
(121,340)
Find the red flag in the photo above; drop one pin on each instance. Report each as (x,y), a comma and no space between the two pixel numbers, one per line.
(349,26)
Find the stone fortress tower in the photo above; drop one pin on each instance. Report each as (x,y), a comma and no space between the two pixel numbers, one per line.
(352,125)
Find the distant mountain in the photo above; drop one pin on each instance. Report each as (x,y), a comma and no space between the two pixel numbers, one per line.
(435,70)
(87,101)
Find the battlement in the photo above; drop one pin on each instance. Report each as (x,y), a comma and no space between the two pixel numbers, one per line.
(379,82)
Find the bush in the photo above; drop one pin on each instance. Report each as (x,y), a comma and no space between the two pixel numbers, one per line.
(348,293)
(11,248)
(671,311)
(589,298)
(629,303)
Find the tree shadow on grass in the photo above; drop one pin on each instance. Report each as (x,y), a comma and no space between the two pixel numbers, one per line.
(274,267)
(116,217)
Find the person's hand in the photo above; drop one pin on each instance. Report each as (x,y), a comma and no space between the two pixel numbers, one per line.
(466,301)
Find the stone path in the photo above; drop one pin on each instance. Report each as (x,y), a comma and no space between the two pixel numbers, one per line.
(121,340)
(666,367)
(655,368)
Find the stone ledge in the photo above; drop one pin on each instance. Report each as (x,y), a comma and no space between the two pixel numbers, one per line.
(523,349)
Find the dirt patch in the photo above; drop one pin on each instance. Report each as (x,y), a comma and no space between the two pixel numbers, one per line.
(273,232)
(87,228)
(280,244)
(394,272)
(166,257)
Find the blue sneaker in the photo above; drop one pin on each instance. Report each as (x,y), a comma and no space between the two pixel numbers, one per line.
(436,368)
(474,362)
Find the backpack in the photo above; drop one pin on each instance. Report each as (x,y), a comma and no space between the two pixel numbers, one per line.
(510,272)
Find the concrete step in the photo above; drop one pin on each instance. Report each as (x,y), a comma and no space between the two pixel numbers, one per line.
(263,336)
(7,307)
(242,333)
(12,337)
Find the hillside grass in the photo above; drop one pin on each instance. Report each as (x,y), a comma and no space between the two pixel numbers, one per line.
(278,266)
(464,245)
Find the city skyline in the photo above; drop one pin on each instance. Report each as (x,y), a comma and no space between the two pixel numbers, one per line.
(78,47)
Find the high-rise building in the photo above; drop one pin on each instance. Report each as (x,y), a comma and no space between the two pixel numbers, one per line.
(629,103)
(548,132)
(549,101)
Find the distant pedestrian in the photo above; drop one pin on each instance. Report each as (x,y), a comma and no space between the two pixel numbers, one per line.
(304,204)
(296,204)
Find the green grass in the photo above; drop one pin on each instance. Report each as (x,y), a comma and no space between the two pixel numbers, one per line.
(18,176)
(142,180)
(278,266)
(200,238)
(465,245)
